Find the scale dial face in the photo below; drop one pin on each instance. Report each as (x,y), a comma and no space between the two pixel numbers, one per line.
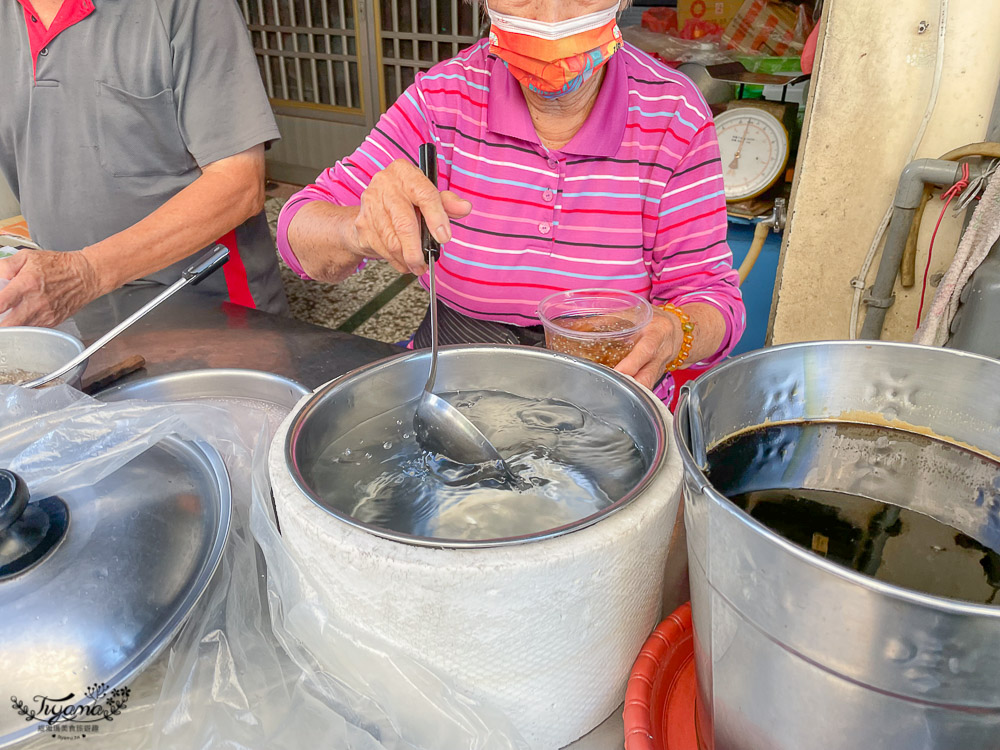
(754,146)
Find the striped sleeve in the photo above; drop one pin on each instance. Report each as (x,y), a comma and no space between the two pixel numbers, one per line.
(690,260)
(398,135)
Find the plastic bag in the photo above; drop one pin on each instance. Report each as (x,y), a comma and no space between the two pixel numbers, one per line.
(672,50)
(237,674)
(660,20)
(768,27)
(79,441)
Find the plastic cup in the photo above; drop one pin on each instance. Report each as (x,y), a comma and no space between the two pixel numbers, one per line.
(601,325)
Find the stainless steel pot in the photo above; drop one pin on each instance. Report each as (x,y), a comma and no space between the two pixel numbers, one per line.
(793,651)
(370,391)
(543,628)
(221,385)
(40,351)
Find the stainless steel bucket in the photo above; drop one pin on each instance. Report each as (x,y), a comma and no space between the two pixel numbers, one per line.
(793,651)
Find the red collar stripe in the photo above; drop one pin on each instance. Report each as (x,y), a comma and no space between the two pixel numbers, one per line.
(39,37)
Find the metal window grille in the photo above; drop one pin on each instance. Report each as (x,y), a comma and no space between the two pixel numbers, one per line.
(307,51)
(416,34)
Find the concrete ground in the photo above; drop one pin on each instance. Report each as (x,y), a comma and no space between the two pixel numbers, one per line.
(376,302)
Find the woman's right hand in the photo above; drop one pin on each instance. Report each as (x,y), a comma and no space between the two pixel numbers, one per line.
(388,226)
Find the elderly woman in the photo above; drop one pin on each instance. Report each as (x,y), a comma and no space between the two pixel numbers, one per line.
(567,160)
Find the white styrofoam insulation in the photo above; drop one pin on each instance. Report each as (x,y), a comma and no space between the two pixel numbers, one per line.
(545,632)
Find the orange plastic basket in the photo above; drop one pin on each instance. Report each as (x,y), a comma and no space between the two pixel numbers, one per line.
(662,689)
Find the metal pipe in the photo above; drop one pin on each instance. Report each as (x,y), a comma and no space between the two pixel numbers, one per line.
(924,172)
(909,195)
(880,297)
(963,337)
(775,222)
(992,136)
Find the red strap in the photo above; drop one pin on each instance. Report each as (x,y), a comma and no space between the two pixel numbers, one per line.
(237,282)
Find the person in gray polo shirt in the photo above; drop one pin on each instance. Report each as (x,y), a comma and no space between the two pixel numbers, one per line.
(133,134)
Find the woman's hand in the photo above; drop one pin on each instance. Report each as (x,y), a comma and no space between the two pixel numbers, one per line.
(388,225)
(46,287)
(657,347)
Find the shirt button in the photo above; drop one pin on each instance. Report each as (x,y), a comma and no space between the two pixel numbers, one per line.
(34,20)
(553,164)
(544,227)
(45,51)
(547,196)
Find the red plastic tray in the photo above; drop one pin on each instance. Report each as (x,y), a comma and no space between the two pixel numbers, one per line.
(662,691)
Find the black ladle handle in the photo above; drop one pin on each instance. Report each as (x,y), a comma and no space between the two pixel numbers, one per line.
(13,499)
(208,264)
(429,166)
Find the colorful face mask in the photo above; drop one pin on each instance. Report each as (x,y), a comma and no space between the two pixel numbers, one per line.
(553,59)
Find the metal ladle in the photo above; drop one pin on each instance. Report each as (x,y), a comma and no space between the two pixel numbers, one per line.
(193,275)
(440,427)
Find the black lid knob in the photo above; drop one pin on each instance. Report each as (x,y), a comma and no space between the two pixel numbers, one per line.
(13,498)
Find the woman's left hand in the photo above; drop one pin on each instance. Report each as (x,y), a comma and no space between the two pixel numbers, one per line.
(657,346)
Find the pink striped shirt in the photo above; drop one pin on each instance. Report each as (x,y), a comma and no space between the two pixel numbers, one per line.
(634,201)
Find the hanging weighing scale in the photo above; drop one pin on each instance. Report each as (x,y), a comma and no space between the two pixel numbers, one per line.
(753,134)
(754,145)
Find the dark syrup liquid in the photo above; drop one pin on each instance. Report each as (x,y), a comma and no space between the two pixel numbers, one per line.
(885,541)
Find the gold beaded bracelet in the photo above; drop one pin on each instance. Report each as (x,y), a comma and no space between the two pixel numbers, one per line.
(688,341)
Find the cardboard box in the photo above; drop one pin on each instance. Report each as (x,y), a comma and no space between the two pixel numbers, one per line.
(717,12)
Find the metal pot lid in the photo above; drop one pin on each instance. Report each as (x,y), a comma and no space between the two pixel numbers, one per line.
(95,582)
